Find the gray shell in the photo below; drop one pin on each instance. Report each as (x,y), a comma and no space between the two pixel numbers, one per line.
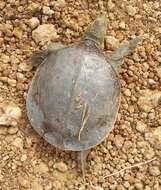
(69,81)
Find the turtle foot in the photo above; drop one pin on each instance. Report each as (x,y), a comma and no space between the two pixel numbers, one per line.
(125,49)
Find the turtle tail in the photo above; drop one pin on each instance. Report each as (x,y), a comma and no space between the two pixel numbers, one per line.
(82,158)
(82,164)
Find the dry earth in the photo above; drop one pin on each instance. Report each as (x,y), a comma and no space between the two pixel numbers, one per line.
(26,160)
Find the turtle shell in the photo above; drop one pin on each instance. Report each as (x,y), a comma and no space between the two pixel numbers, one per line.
(74,98)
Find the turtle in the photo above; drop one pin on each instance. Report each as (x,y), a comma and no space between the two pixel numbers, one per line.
(74,96)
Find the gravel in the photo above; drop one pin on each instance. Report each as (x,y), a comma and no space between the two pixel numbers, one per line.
(33,22)
(154,171)
(61,166)
(26,160)
(10,113)
(141,127)
(44,33)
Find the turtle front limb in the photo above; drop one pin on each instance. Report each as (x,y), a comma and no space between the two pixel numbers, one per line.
(124,50)
(38,57)
(82,157)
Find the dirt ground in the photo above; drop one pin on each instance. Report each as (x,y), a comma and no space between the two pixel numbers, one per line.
(26,160)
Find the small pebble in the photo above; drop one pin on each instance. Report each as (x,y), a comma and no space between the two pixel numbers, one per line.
(154,171)
(41,168)
(3,130)
(141,127)
(159,72)
(33,22)
(44,33)
(127,92)
(131,10)
(12,130)
(47,11)
(12,82)
(139,186)
(112,42)
(36,185)
(18,142)
(61,166)
(24,182)
(17,32)
(23,157)
(118,140)
(149,99)
(57,185)
(11,113)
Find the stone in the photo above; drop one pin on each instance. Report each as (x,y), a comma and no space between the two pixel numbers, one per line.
(36,185)
(157,135)
(112,42)
(139,186)
(154,171)
(1,177)
(23,157)
(151,115)
(44,33)
(151,82)
(110,4)
(47,11)
(41,168)
(6,29)
(147,187)
(120,187)
(48,186)
(5,58)
(18,142)
(10,113)
(33,22)
(57,185)
(159,122)
(99,188)
(122,25)
(14,59)
(33,7)
(127,92)
(149,153)
(118,141)
(12,82)
(25,67)
(20,77)
(149,99)
(24,181)
(1,41)
(12,130)
(60,3)
(131,10)
(17,32)
(159,72)
(2,4)
(61,166)
(126,184)
(141,127)
(3,130)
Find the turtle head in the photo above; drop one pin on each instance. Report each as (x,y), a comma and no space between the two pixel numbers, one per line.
(97,30)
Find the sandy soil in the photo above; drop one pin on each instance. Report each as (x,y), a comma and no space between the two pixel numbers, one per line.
(26,160)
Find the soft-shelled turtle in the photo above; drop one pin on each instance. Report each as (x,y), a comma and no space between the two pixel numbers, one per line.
(74,96)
